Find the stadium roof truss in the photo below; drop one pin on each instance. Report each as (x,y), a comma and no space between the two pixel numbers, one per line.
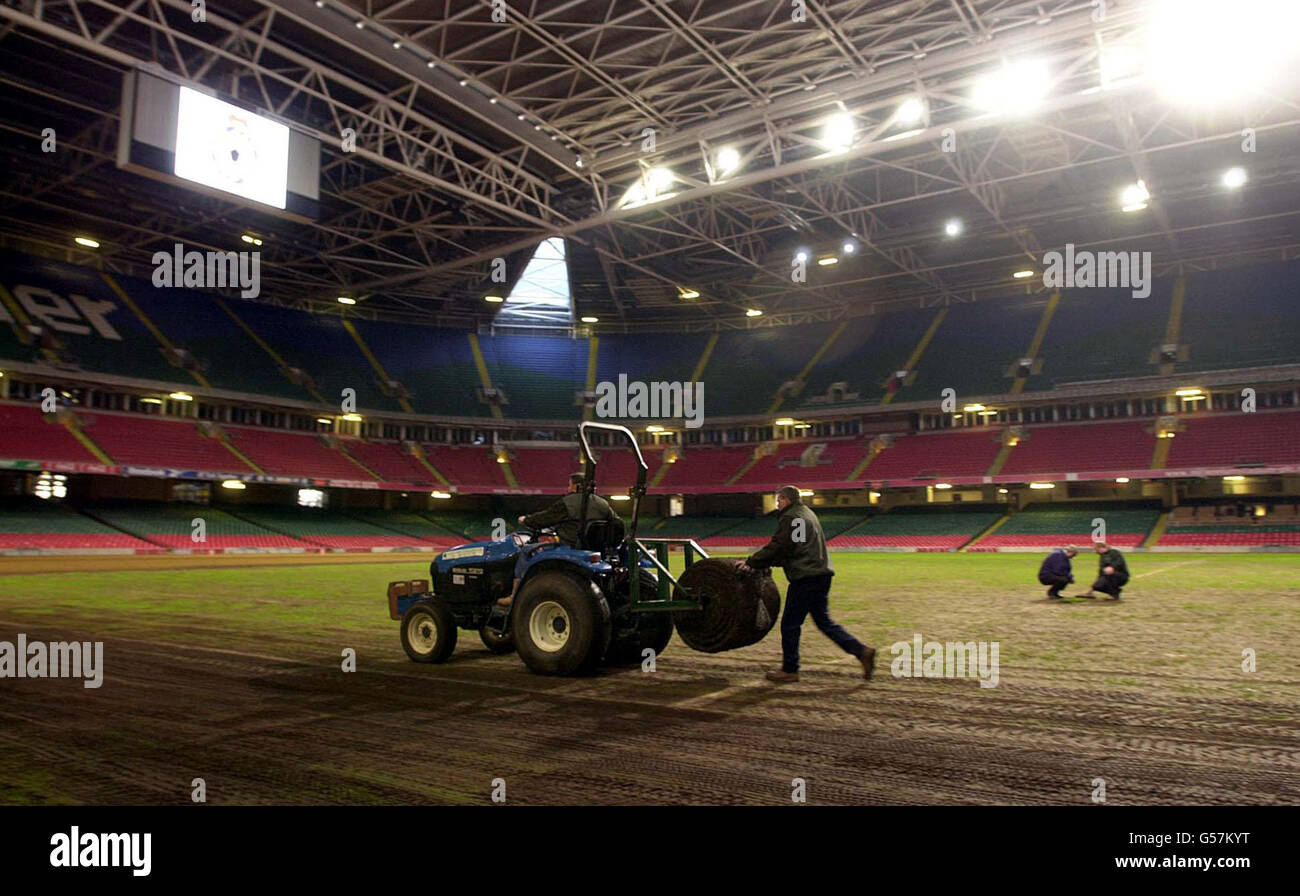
(477,139)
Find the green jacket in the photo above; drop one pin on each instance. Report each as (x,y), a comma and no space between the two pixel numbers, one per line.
(1113,558)
(799,545)
(563,516)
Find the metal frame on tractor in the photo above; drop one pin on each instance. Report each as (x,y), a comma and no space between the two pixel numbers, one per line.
(653,549)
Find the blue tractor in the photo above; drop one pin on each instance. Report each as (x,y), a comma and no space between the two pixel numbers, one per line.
(606,601)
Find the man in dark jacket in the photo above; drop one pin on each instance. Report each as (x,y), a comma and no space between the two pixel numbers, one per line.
(799,547)
(564,514)
(1055,571)
(1112,572)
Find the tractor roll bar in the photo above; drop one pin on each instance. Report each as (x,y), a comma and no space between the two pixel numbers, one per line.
(589,472)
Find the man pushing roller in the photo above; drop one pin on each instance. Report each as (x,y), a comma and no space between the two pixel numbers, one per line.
(799,547)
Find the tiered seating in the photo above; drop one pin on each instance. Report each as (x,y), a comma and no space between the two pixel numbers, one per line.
(36,525)
(469,525)
(974,348)
(746,533)
(467,468)
(390,461)
(544,468)
(868,351)
(616,468)
(696,527)
(919,528)
(941,456)
(1263,327)
(704,468)
(1052,525)
(1086,448)
(412,524)
(26,434)
(328,529)
(294,454)
(1237,440)
(1102,334)
(137,440)
(539,374)
(435,365)
(747,368)
(173,526)
(1221,525)
(230,359)
(828,465)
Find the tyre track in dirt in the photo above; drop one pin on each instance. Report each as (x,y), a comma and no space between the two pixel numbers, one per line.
(276,722)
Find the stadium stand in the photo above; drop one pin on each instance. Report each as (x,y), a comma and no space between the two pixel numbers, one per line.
(1102,334)
(539,374)
(938,455)
(974,348)
(810,463)
(868,351)
(1261,326)
(390,461)
(1223,525)
(746,369)
(704,468)
(1088,447)
(173,526)
(1237,440)
(919,528)
(327,529)
(412,524)
(27,434)
(435,365)
(36,525)
(294,454)
(468,468)
(1052,525)
(158,442)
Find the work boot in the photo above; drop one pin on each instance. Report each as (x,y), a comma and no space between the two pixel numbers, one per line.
(1053,594)
(780,676)
(868,661)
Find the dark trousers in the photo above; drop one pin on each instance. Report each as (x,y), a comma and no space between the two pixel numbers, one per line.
(1110,584)
(1057,582)
(805,597)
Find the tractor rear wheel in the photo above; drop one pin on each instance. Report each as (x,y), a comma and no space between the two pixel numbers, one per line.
(429,631)
(561,624)
(497,643)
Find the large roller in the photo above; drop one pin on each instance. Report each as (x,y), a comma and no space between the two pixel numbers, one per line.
(736,609)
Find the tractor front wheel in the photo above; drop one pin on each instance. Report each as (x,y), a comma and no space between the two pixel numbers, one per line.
(561,624)
(429,631)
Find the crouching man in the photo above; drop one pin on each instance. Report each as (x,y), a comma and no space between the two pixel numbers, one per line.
(1055,571)
(799,547)
(1112,572)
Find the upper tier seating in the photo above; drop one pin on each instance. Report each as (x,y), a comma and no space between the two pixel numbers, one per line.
(704,467)
(808,462)
(1092,447)
(467,467)
(294,454)
(27,434)
(936,455)
(974,348)
(1237,439)
(390,461)
(132,439)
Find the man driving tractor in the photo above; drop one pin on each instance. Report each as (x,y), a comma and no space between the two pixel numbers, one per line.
(563,515)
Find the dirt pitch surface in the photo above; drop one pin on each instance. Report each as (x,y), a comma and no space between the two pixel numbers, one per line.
(229,669)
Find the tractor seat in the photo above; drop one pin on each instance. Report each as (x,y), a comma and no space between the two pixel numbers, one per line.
(604,535)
